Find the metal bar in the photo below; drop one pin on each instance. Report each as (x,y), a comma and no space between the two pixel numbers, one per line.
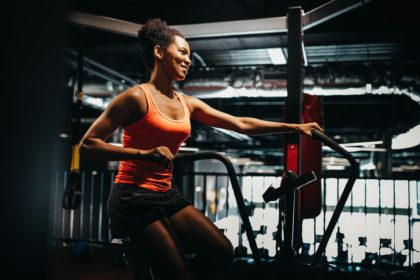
(104,23)
(410,249)
(418,196)
(371,210)
(379,216)
(101,198)
(394,218)
(77,107)
(314,243)
(71,224)
(234,28)
(238,196)
(55,206)
(82,206)
(290,211)
(293,115)
(105,68)
(92,182)
(293,105)
(354,172)
(201,30)
(110,190)
(279,235)
(100,75)
(324,204)
(337,185)
(365,206)
(227,196)
(216,198)
(330,10)
(205,195)
(63,212)
(351,204)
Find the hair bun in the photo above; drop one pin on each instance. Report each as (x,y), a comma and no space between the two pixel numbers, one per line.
(152,32)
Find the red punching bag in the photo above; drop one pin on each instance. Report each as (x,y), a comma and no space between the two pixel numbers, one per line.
(311,159)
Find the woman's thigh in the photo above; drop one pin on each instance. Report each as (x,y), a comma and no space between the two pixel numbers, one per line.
(199,234)
(161,250)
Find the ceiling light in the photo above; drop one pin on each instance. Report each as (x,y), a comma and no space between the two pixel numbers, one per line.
(407,140)
(363,144)
(276,56)
(335,167)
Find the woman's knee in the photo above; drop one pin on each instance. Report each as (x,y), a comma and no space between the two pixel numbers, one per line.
(230,252)
(226,252)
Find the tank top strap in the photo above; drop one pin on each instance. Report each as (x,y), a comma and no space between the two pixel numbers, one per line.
(150,105)
(181,98)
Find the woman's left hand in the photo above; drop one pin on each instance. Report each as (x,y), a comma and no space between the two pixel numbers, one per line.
(305,128)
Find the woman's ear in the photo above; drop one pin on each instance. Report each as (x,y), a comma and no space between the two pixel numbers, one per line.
(158,52)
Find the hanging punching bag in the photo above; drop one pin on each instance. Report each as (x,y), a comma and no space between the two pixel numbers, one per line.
(311,155)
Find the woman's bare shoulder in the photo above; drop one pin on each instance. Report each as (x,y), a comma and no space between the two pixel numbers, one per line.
(133,96)
(133,92)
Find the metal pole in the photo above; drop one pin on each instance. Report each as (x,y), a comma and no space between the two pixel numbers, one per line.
(238,196)
(293,111)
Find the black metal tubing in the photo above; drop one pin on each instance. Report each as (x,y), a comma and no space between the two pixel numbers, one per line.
(236,190)
(294,69)
(293,113)
(78,106)
(317,135)
(289,209)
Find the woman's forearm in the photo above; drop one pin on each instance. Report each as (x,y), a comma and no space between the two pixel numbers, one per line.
(98,149)
(252,126)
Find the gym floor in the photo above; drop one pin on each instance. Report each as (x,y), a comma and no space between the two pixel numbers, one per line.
(100,263)
(92,264)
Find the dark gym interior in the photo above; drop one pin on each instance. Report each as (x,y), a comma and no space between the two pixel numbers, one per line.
(361,62)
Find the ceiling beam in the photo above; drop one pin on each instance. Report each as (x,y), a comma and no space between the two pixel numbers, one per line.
(223,28)
(200,30)
(107,24)
(330,10)
(234,28)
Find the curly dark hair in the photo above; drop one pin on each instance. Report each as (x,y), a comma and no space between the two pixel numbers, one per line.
(155,32)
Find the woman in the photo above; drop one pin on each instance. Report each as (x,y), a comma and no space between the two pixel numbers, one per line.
(155,121)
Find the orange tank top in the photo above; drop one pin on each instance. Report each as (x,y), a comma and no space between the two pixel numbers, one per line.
(154,129)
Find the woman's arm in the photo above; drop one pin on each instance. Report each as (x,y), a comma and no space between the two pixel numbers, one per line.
(205,114)
(124,109)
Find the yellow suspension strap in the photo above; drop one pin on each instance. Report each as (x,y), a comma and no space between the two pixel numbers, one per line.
(73,192)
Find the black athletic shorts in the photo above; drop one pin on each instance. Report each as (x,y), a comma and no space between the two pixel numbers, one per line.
(130,207)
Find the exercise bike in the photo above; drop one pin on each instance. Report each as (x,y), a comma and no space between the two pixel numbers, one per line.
(287,264)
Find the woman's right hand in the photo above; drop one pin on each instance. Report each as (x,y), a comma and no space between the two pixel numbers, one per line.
(161,155)
(306,128)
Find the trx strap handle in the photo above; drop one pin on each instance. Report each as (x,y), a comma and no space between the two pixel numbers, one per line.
(72,194)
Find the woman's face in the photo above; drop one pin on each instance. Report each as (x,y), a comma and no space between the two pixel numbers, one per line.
(176,59)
